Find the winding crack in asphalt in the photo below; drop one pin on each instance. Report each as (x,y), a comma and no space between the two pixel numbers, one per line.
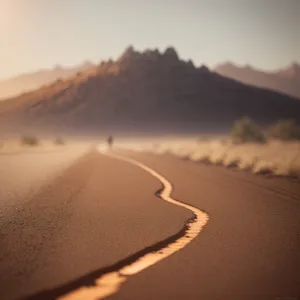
(108,281)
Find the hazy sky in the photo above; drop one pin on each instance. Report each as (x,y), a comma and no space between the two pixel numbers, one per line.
(41,33)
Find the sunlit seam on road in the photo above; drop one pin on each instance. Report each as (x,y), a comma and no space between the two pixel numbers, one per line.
(110,283)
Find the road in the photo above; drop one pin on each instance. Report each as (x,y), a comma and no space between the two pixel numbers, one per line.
(89,215)
(95,213)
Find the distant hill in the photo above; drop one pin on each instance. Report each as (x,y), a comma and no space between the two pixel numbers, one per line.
(145,92)
(292,72)
(31,81)
(286,80)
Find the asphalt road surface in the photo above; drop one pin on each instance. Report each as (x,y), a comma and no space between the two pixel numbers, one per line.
(92,213)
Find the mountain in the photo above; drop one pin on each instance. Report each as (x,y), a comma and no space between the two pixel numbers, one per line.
(31,81)
(292,72)
(145,92)
(286,80)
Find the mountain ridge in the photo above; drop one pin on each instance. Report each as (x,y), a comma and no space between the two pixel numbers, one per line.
(148,90)
(285,80)
(30,81)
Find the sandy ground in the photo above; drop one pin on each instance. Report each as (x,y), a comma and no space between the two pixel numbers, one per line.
(26,171)
(95,213)
(13,146)
(248,250)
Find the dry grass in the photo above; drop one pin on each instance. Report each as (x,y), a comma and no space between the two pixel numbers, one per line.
(30,145)
(275,157)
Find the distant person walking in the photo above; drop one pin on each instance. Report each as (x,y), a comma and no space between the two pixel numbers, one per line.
(110,141)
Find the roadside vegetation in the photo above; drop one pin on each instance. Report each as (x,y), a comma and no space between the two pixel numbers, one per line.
(59,141)
(31,143)
(29,140)
(247,131)
(285,130)
(273,151)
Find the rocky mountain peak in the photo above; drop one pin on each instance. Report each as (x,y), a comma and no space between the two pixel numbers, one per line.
(171,53)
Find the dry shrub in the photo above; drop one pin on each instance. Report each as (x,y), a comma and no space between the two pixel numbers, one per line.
(285,130)
(231,161)
(245,131)
(59,141)
(264,167)
(29,140)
